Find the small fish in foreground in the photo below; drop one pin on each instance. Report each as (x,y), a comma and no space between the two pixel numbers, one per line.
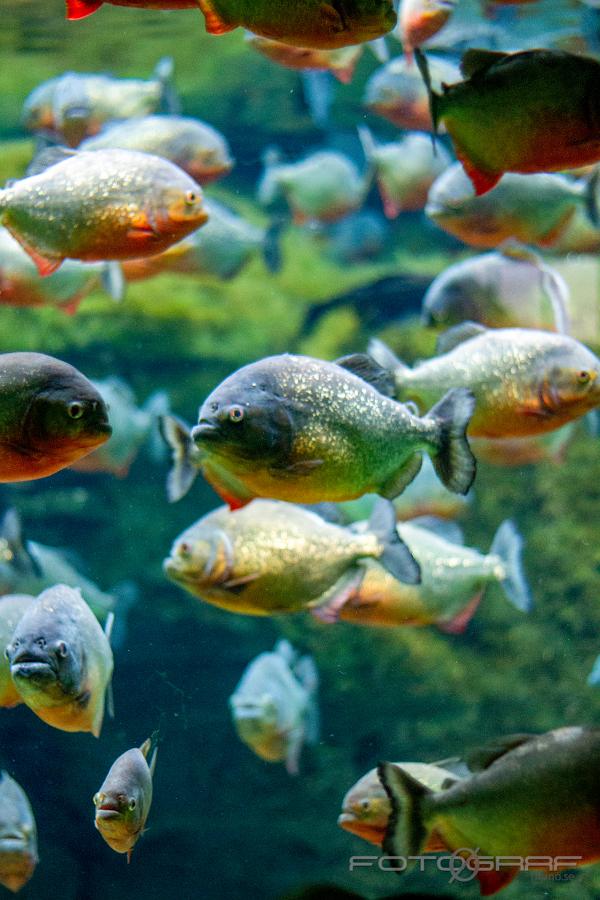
(18,835)
(12,609)
(300,429)
(528,796)
(61,661)
(274,707)
(100,205)
(50,416)
(124,799)
(526,382)
(272,557)
(397,93)
(340,62)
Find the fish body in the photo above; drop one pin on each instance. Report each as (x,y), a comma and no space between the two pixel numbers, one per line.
(324,187)
(507,289)
(18,835)
(106,204)
(420,20)
(124,799)
(300,429)
(341,62)
(532,111)
(61,661)
(132,427)
(12,607)
(308,23)
(274,706)
(50,415)
(194,146)
(537,796)
(550,447)
(526,382)
(453,580)
(272,557)
(397,93)
(532,209)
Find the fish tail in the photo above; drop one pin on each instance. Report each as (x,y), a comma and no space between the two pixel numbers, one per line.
(387,359)
(271,248)
(306,672)
(434,99)
(150,749)
(453,461)
(183,473)
(163,72)
(21,559)
(590,196)
(396,557)
(127,595)
(406,831)
(508,545)
(113,280)
(317,88)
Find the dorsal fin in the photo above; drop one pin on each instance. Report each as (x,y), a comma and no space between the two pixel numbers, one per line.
(48,157)
(458,335)
(365,367)
(482,757)
(474,61)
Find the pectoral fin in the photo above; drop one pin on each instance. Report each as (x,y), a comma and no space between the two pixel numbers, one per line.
(328,607)
(214,23)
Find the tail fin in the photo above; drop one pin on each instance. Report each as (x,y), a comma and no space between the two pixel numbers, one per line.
(367,142)
(21,559)
(156,407)
(406,832)
(594,676)
(181,477)
(306,672)
(386,358)
(271,249)
(150,746)
(396,556)
(454,463)
(379,49)
(423,66)
(127,594)
(163,72)
(591,197)
(508,545)
(317,88)
(113,280)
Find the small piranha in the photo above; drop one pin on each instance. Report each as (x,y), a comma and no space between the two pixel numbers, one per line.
(18,835)
(420,20)
(453,580)
(219,250)
(525,451)
(324,187)
(512,288)
(100,205)
(531,209)
(272,557)
(61,662)
(274,706)
(341,62)
(51,415)
(397,93)
(123,802)
(75,105)
(528,796)
(366,807)
(132,427)
(301,429)
(531,111)
(12,608)
(309,23)
(526,382)
(194,146)
(21,284)
(404,170)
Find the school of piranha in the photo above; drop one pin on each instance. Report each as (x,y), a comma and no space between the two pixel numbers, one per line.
(340,480)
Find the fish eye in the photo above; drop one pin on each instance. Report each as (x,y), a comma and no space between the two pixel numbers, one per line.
(131,803)
(75,409)
(41,642)
(236,414)
(214,406)
(184,549)
(62,649)
(583,377)
(365,804)
(191,197)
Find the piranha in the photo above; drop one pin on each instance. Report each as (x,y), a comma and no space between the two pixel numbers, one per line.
(528,796)
(76,105)
(366,807)
(308,23)
(404,170)
(531,209)
(21,284)
(324,187)
(532,111)
(340,62)
(420,20)
(50,416)
(61,661)
(132,427)
(550,447)
(18,835)
(105,204)
(12,608)
(300,429)
(272,557)
(123,802)
(453,580)
(218,251)
(397,93)
(512,288)
(274,706)
(194,146)
(526,382)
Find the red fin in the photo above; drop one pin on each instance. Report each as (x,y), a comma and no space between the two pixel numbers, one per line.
(79,9)
(345,75)
(44,265)
(390,208)
(482,181)
(214,24)
(128,857)
(460,621)
(72,307)
(492,882)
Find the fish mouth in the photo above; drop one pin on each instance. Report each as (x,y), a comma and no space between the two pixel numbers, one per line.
(205,431)
(13,843)
(370,833)
(108,810)
(30,667)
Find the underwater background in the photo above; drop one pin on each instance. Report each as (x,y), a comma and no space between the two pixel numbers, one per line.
(225,824)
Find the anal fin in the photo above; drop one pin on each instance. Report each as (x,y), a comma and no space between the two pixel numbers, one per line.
(482,181)
(214,23)
(79,9)
(44,264)
(401,478)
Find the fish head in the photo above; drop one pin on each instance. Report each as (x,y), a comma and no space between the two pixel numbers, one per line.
(366,809)
(44,665)
(117,811)
(38,109)
(255,717)
(199,557)
(571,382)
(451,194)
(18,836)
(181,207)
(245,418)
(208,161)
